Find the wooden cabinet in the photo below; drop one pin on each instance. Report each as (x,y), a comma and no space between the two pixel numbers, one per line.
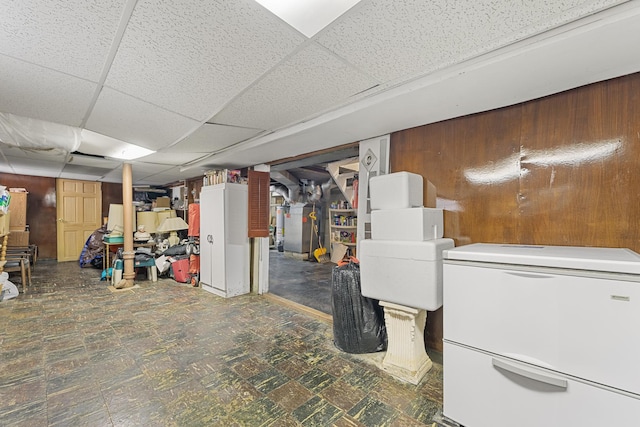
(224,245)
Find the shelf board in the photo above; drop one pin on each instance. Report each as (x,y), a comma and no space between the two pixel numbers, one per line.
(343,210)
(344,243)
(353,227)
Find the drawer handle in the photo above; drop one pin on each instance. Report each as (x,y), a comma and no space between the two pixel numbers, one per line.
(529,275)
(529,373)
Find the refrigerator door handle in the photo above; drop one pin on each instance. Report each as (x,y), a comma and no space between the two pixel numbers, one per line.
(530,373)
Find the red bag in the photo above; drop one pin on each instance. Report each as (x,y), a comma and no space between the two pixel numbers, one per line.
(194,220)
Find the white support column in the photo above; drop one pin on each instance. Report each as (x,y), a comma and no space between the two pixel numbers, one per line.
(406,358)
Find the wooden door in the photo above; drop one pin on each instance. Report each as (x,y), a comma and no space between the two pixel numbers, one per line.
(79,211)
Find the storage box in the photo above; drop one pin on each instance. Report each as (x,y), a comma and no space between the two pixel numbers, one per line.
(405,273)
(18,238)
(414,224)
(163,202)
(396,191)
(180,270)
(18,209)
(114,239)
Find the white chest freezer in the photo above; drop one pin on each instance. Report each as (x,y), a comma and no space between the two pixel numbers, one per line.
(541,335)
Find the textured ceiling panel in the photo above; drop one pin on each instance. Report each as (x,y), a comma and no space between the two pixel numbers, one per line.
(113,176)
(211,137)
(32,91)
(166,177)
(131,120)
(36,167)
(95,172)
(48,155)
(71,36)
(398,40)
(145,169)
(91,161)
(193,56)
(171,157)
(307,83)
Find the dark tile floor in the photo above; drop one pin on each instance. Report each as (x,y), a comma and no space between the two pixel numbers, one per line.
(73,353)
(304,282)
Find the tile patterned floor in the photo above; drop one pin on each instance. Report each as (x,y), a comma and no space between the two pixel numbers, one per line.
(72,353)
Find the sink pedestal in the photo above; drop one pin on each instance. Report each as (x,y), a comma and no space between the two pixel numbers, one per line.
(406,358)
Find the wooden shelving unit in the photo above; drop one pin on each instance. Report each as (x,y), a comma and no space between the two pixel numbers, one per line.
(343,226)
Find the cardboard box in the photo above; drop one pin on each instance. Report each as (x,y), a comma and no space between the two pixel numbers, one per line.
(18,238)
(163,202)
(413,224)
(18,209)
(399,190)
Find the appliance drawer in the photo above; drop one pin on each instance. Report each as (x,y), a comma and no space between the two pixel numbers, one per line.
(584,326)
(481,389)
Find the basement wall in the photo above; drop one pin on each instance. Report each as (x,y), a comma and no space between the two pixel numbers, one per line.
(560,170)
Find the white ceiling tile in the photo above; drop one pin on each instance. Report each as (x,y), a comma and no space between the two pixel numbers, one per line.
(114,176)
(91,161)
(139,169)
(398,40)
(192,56)
(307,83)
(166,176)
(210,138)
(46,155)
(72,36)
(171,157)
(137,122)
(36,167)
(83,172)
(32,91)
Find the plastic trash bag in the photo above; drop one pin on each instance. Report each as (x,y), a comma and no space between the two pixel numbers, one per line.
(358,322)
(9,290)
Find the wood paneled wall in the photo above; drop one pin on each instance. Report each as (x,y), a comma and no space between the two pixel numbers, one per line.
(560,170)
(41,208)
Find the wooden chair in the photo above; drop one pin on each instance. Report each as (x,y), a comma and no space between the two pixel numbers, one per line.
(30,251)
(19,264)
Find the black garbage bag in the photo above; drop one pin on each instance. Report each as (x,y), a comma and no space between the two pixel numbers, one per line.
(358,322)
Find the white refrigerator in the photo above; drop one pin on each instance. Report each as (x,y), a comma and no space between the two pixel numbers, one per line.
(541,336)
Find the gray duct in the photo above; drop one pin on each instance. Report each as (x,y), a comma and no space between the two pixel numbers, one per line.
(304,193)
(281,190)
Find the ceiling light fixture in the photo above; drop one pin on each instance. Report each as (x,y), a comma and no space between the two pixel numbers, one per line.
(102,145)
(309,16)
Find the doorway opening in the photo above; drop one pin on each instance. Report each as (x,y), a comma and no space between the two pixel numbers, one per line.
(313,223)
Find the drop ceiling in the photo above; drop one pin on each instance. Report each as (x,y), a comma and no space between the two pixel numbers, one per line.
(229,84)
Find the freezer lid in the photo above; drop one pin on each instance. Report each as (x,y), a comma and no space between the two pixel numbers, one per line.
(617,260)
